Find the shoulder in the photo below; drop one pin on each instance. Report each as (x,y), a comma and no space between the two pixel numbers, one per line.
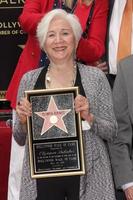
(93,79)
(125,67)
(88,72)
(127,62)
(29,79)
(123,82)
(33,74)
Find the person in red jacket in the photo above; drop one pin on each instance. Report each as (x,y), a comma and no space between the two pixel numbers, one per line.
(91,48)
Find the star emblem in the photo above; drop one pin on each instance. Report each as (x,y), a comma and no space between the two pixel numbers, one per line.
(53,117)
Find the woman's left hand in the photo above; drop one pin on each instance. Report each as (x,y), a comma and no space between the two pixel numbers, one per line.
(23,109)
(82,106)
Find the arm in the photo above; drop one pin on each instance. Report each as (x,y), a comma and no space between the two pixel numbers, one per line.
(92,48)
(27,83)
(99,95)
(20,129)
(105,124)
(120,149)
(32,13)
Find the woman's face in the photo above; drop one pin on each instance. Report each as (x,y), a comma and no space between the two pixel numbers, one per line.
(60,42)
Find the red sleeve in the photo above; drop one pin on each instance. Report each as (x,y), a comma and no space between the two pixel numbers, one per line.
(32,13)
(92,48)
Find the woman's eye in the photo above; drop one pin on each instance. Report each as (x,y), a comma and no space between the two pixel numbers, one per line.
(65,33)
(51,35)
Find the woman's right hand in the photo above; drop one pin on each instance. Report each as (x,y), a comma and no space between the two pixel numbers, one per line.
(101,64)
(23,110)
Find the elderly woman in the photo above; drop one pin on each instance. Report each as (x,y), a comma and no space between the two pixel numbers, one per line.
(95,12)
(58,34)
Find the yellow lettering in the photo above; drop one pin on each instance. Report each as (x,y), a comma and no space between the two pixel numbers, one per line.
(5,32)
(9,25)
(12,2)
(3,2)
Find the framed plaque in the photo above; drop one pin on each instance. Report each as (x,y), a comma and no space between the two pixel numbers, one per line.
(54,131)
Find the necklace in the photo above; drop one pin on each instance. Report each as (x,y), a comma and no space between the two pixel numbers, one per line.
(48,78)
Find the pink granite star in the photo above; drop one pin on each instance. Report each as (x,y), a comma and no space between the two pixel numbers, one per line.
(53,117)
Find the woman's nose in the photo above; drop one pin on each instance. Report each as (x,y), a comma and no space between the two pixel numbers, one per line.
(58,38)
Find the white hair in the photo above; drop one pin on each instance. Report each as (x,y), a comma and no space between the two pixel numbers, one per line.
(42,28)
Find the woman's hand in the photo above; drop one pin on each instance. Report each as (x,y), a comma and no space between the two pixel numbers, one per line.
(82,106)
(101,65)
(129,193)
(23,109)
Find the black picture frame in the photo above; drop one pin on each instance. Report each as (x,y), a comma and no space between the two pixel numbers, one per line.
(55,134)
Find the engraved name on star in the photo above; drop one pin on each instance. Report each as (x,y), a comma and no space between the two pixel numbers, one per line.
(53,117)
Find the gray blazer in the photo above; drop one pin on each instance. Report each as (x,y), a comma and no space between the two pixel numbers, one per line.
(97,183)
(121,150)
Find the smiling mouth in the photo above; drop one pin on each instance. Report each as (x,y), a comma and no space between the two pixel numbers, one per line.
(59,48)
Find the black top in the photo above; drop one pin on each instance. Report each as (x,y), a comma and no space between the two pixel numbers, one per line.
(58,187)
(40,83)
